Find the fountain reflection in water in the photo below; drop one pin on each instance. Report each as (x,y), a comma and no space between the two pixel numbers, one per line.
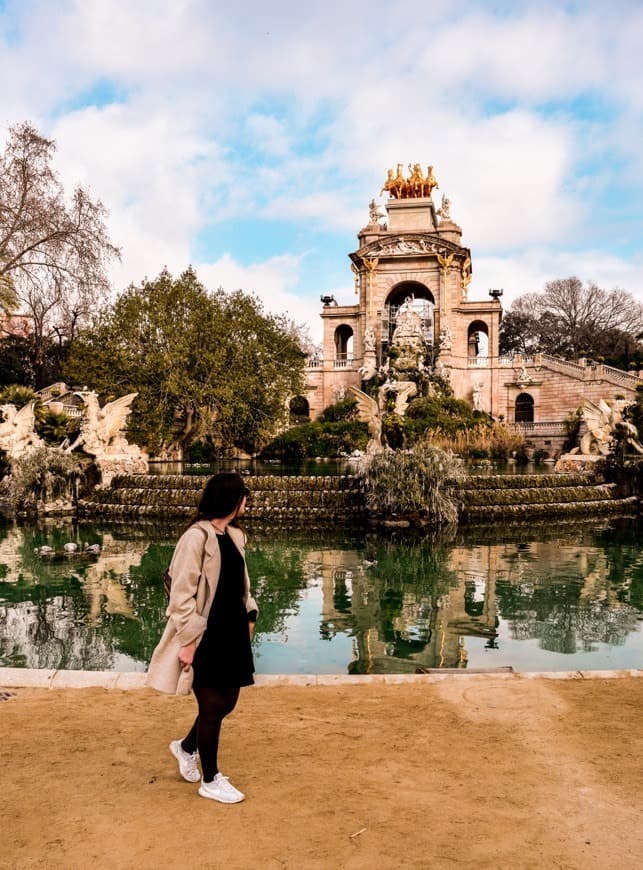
(549,598)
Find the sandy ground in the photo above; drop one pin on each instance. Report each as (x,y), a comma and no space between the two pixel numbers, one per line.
(463,773)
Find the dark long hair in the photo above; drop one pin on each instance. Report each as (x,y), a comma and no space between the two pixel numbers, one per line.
(221,496)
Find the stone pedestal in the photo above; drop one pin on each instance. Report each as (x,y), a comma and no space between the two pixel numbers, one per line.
(450,231)
(112,465)
(579,462)
(411,214)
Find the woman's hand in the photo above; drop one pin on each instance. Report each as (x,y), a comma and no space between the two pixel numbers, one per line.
(251,629)
(186,655)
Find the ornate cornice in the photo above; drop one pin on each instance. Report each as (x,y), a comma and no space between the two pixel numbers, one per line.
(408,244)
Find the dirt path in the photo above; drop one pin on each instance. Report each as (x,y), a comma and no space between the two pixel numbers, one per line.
(465,773)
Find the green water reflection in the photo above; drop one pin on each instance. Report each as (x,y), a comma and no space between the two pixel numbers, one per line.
(554,597)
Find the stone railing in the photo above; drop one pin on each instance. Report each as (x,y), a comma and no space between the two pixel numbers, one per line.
(343,362)
(626,378)
(509,360)
(581,370)
(346,362)
(539,428)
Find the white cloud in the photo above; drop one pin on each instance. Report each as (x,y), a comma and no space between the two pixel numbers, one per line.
(294,114)
(528,272)
(268,135)
(273,281)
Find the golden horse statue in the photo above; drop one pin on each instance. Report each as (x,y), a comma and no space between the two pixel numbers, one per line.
(416,181)
(389,184)
(429,182)
(416,185)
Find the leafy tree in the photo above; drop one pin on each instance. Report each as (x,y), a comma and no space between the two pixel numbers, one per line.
(205,365)
(15,356)
(518,333)
(635,412)
(575,319)
(54,252)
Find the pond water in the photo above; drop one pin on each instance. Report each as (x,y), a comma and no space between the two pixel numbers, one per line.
(556,597)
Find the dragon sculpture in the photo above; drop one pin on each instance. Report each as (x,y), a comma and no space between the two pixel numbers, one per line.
(102,429)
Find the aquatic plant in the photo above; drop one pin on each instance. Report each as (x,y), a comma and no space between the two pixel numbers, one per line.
(415,481)
(496,441)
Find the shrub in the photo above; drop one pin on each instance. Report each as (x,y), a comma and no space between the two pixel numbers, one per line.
(202,451)
(318,439)
(341,411)
(442,413)
(17,395)
(412,482)
(521,456)
(52,427)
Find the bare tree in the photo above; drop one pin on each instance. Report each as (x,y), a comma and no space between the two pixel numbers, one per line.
(574,319)
(54,251)
(586,309)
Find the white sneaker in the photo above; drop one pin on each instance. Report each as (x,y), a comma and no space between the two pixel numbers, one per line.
(221,790)
(187,763)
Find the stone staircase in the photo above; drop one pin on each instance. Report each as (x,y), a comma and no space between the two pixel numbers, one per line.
(299,499)
(521,496)
(313,500)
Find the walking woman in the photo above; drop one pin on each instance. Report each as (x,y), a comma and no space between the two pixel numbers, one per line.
(206,642)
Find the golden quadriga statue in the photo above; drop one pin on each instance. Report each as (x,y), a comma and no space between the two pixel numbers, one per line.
(415,186)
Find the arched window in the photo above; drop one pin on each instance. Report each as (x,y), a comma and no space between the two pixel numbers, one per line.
(343,345)
(299,410)
(420,299)
(478,340)
(524,409)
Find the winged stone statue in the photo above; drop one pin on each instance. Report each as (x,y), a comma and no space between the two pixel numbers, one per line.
(369,412)
(605,424)
(598,419)
(102,429)
(17,432)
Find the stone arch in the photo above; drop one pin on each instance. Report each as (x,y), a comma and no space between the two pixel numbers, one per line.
(423,304)
(343,343)
(478,340)
(299,410)
(524,408)
(399,292)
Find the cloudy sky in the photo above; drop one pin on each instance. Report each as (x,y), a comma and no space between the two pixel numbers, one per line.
(247,138)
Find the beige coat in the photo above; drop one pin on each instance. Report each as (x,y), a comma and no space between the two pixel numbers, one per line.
(191,597)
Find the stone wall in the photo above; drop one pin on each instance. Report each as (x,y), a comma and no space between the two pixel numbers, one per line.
(316,501)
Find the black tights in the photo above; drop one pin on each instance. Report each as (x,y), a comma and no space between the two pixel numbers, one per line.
(214,706)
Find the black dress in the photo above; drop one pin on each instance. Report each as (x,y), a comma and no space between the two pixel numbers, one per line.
(224,656)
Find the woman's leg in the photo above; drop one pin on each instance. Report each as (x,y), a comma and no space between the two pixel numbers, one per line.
(188,744)
(214,706)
